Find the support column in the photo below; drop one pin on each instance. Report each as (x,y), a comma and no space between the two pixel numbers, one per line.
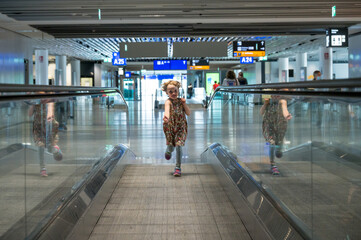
(60,70)
(283,70)
(98,75)
(354,70)
(75,72)
(268,72)
(260,73)
(325,56)
(301,63)
(41,67)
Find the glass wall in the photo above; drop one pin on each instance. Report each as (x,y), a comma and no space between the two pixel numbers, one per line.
(47,146)
(304,151)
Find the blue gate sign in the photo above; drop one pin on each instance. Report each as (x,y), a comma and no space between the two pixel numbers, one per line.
(117,61)
(246,60)
(128,74)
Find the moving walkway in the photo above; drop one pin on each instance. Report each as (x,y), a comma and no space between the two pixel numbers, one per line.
(99,190)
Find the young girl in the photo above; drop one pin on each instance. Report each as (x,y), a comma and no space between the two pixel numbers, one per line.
(175,122)
(45,131)
(274,126)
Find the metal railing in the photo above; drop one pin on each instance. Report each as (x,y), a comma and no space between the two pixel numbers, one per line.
(51,91)
(310,88)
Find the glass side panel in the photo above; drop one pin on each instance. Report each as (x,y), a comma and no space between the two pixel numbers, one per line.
(47,146)
(313,142)
(13,132)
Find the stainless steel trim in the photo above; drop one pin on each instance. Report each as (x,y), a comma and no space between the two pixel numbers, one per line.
(88,196)
(252,223)
(272,215)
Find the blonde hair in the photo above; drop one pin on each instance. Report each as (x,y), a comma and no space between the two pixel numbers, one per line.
(170,82)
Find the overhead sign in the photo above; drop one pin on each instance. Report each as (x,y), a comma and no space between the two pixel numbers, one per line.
(199,49)
(251,54)
(246,60)
(128,74)
(337,37)
(199,67)
(249,48)
(263,58)
(199,64)
(170,64)
(143,49)
(117,61)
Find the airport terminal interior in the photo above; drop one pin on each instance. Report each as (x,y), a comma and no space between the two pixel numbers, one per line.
(180,119)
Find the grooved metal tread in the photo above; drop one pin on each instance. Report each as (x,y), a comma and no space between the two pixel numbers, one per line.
(150,203)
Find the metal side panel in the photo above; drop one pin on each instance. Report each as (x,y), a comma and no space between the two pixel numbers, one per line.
(262,218)
(252,223)
(88,220)
(76,218)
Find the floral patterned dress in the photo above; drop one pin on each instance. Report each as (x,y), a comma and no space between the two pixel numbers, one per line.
(176,129)
(274,125)
(45,132)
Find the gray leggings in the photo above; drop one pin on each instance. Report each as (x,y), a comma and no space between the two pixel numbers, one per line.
(41,157)
(178,156)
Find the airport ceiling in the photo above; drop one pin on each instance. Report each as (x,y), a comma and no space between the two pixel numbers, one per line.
(92,29)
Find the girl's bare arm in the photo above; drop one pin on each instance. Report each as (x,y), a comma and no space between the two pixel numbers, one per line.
(285,112)
(185,106)
(31,110)
(166,111)
(51,109)
(263,108)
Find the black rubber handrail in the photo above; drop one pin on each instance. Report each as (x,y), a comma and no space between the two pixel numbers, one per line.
(339,83)
(302,88)
(48,88)
(51,91)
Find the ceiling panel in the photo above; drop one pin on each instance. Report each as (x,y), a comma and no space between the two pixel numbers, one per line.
(80,18)
(287,26)
(97,49)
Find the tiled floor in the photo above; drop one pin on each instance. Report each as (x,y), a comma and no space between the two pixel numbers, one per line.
(149,203)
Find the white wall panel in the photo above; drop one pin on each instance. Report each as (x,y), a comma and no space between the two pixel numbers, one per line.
(14,49)
(340,70)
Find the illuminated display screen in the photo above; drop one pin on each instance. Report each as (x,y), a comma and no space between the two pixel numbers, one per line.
(249,48)
(198,67)
(337,37)
(170,64)
(199,64)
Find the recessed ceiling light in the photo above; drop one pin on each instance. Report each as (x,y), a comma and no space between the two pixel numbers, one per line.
(151,15)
